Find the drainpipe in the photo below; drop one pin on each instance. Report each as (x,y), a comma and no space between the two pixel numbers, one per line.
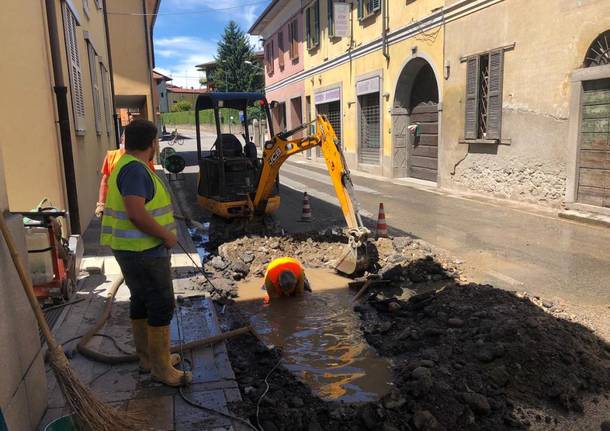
(63,115)
(385,17)
(115,116)
(150,84)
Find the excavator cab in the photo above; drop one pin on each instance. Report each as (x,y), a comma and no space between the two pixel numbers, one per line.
(229,165)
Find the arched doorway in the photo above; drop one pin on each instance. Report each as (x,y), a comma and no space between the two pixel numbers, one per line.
(416,101)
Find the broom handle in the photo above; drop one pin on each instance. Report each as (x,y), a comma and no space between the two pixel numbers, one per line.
(26,283)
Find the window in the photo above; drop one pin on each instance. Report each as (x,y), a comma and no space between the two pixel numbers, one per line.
(484,77)
(280,48)
(98,4)
(293,39)
(367,8)
(269,56)
(95,89)
(76,77)
(86,7)
(105,82)
(370,128)
(312,24)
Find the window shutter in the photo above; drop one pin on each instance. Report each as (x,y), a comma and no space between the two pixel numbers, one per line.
(280,48)
(308,26)
(95,89)
(331,25)
(76,77)
(360,9)
(494,100)
(317,23)
(472,95)
(375,5)
(105,94)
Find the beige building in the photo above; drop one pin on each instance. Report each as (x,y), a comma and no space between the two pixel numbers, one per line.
(57,106)
(526,102)
(130,25)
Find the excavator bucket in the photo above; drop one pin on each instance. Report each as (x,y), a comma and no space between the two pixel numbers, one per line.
(353,259)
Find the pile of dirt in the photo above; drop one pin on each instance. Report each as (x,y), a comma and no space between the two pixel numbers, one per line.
(248,256)
(475,357)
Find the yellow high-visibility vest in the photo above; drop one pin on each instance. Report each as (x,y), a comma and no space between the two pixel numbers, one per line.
(118,231)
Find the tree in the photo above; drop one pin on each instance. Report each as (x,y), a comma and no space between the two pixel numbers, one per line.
(232,72)
(181,106)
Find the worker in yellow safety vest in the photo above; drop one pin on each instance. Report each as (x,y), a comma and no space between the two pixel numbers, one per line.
(285,277)
(138,225)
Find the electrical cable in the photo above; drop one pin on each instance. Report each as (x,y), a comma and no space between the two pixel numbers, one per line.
(258,403)
(199,267)
(209,10)
(183,396)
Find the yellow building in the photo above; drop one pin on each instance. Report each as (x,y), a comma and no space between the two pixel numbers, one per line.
(365,76)
(130,25)
(56,107)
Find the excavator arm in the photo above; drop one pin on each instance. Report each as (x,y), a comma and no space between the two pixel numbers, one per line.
(354,258)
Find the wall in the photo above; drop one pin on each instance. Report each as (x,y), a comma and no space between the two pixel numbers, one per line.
(280,23)
(23,384)
(173,97)
(367,60)
(34,163)
(535,113)
(128,41)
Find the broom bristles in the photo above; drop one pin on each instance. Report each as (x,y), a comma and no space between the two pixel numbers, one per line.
(89,413)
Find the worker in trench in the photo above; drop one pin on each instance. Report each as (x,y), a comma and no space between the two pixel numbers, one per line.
(285,277)
(138,225)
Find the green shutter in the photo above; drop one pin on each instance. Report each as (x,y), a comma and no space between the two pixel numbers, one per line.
(308,26)
(494,99)
(329,5)
(317,23)
(472,95)
(360,9)
(374,5)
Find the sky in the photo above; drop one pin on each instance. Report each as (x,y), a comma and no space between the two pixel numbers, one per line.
(187,32)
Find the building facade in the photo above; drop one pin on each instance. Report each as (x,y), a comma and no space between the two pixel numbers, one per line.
(526,103)
(281,28)
(456,93)
(177,94)
(130,25)
(58,120)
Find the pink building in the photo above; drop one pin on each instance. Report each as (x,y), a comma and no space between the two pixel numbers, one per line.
(281,27)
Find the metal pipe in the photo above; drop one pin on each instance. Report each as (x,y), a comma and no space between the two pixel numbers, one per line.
(63,117)
(115,116)
(384,31)
(148,57)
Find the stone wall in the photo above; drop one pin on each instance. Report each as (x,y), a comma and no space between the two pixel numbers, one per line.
(531,181)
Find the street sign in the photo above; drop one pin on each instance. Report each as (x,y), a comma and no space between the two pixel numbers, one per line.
(341,12)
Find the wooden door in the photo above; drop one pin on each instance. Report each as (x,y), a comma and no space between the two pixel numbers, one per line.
(423,149)
(400,121)
(594,153)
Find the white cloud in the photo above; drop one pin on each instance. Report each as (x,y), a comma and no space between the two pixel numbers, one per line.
(180,55)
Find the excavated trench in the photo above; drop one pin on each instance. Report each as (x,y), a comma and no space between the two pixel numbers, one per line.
(423,352)
(320,337)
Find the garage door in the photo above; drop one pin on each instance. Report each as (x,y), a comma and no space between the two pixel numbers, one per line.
(594,160)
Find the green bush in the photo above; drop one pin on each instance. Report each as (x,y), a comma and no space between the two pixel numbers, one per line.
(181,106)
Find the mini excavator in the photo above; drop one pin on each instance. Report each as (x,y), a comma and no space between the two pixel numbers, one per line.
(235,183)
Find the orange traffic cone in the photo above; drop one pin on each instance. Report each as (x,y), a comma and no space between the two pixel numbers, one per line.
(382,227)
(306,216)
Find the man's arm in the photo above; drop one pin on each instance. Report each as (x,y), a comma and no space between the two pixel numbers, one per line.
(271,290)
(300,289)
(134,206)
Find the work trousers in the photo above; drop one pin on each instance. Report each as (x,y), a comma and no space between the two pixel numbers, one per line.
(149,281)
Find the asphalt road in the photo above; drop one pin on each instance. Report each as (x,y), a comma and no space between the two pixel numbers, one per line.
(512,248)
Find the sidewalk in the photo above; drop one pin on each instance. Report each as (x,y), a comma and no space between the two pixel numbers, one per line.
(213,379)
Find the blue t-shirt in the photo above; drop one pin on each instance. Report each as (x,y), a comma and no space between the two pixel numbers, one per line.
(134,180)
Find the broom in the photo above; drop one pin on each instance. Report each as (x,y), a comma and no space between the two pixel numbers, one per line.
(89,413)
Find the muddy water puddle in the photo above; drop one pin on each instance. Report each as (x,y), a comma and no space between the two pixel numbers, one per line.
(320,337)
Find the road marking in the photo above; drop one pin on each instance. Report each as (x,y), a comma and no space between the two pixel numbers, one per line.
(503,277)
(324,179)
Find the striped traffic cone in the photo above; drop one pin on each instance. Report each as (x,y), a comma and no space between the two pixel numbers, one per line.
(382,227)
(306,216)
